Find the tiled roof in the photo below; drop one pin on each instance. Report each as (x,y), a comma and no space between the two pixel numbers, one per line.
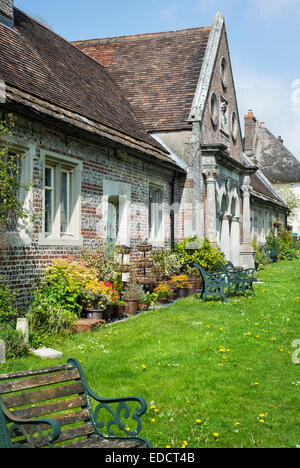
(158,72)
(37,61)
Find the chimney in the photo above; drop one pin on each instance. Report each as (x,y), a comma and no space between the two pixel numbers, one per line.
(7,13)
(280,139)
(250,133)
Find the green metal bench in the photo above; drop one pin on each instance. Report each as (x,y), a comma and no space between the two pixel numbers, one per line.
(214,284)
(239,280)
(53,408)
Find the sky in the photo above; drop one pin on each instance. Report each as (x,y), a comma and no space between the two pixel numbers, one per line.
(263,39)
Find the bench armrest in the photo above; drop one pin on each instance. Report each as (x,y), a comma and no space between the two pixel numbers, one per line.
(32,430)
(117,409)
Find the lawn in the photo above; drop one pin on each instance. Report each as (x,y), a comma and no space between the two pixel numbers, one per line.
(213,374)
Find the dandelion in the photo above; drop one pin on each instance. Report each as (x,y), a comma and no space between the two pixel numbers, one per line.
(237,424)
(256,384)
(216,435)
(261,415)
(144,367)
(168,446)
(198,421)
(261,421)
(153,420)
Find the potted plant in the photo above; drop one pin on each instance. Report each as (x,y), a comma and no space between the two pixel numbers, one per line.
(95,299)
(163,292)
(132,295)
(182,284)
(120,308)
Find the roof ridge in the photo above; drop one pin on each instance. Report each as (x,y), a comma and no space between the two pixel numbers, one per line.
(143,35)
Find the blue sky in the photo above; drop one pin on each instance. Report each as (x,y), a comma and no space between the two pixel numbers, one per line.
(263,39)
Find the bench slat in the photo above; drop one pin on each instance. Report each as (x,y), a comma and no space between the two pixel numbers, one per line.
(40,381)
(43,395)
(50,408)
(75,432)
(29,373)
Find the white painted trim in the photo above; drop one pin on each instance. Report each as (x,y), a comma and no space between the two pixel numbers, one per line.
(207,68)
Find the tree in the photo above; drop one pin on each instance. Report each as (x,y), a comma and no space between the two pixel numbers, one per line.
(291,198)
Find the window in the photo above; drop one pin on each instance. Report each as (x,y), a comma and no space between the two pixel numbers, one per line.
(224,72)
(234,126)
(214,111)
(113,219)
(155,213)
(62,200)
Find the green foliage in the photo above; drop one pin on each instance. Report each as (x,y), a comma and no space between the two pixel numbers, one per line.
(8,313)
(105,260)
(47,315)
(282,242)
(261,257)
(292,199)
(204,254)
(14,341)
(65,282)
(10,205)
(166,263)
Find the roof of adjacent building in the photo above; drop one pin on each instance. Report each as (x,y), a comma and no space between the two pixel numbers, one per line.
(44,71)
(157,72)
(276,162)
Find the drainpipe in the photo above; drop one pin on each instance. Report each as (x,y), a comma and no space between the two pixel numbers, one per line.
(172,213)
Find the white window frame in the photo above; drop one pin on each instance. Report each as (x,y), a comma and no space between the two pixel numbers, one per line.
(59,164)
(156,239)
(112,189)
(22,235)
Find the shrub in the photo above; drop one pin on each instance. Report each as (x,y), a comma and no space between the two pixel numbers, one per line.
(66,280)
(105,260)
(14,341)
(166,263)
(47,315)
(8,312)
(163,290)
(194,250)
(134,291)
(180,281)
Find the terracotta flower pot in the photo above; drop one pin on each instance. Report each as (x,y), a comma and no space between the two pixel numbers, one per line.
(94,313)
(131,306)
(182,292)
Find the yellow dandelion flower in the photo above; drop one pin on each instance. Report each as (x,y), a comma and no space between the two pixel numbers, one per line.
(198,421)
(216,435)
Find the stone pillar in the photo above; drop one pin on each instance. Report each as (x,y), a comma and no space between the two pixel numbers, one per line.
(225,236)
(2,351)
(235,241)
(22,326)
(211,221)
(247,252)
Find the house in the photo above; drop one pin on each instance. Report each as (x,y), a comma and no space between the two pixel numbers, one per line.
(180,85)
(125,139)
(275,161)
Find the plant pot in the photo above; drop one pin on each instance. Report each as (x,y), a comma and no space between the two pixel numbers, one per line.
(193,287)
(124,249)
(182,292)
(95,314)
(163,299)
(120,310)
(131,306)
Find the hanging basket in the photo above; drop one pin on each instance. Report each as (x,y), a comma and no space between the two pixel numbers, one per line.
(144,247)
(124,249)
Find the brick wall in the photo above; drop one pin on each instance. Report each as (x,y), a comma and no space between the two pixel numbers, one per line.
(20,265)
(211,133)
(6,8)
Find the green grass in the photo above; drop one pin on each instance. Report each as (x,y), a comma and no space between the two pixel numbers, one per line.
(204,362)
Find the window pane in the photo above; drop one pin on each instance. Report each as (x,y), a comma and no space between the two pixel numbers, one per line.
(64,202)
(48,210)
(155,212)
(48,177)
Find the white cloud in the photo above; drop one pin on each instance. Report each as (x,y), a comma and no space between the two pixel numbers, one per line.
(273,101)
